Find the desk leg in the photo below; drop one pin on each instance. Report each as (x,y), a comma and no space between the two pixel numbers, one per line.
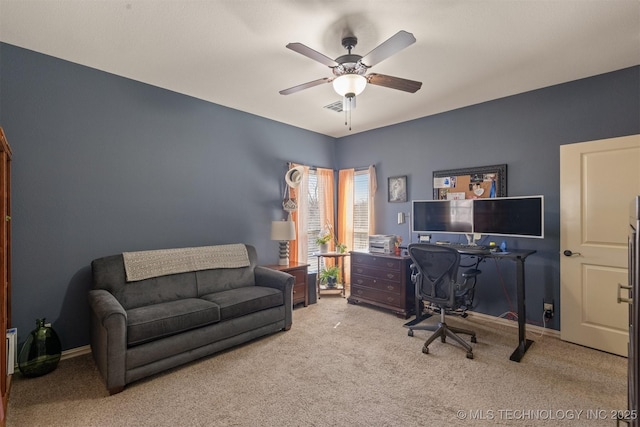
(523,342)
(318,279)
(344,282)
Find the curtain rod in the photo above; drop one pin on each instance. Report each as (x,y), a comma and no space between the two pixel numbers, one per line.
(361,168)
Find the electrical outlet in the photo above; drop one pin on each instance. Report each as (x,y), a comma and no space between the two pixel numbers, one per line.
(547,308)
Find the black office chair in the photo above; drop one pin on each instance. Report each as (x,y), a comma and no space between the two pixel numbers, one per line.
(435,273)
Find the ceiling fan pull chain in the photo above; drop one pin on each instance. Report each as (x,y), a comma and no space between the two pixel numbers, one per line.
(348,103)
(346,109)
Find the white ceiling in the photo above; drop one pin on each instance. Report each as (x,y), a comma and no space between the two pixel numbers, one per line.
(233,53)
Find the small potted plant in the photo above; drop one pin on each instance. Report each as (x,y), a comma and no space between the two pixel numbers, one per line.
(329,276)
(323,241)
(325,236)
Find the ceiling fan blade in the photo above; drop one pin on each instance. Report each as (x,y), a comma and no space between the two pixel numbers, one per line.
(394,82)
(310,53)
(303,86)
(391,46)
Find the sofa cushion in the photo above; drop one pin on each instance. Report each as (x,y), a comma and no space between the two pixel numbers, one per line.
(109,274)
(222,279)
(241,301)
(155,321)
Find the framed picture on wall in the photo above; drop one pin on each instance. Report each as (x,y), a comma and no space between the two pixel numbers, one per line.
(397,186)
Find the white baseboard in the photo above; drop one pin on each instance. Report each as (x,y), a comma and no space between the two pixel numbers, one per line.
(86,349)
(75,352)
(539,330)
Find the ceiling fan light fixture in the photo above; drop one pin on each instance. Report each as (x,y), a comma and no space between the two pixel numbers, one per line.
(349,85)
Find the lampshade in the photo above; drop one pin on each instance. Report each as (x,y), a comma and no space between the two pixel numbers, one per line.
(349,85)
(283,230)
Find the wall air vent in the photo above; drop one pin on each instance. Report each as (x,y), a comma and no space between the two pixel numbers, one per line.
(335,106)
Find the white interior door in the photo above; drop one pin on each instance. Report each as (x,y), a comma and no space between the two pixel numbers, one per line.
(598,180)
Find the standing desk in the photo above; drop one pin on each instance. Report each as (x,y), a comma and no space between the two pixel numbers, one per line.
(517,256)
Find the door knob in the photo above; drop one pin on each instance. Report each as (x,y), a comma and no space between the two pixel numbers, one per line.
(569,253)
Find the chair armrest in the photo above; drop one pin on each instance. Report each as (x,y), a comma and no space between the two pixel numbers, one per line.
(273,278)
(279,280)
(414,279)
(108,337)
(471,272)
(104,304)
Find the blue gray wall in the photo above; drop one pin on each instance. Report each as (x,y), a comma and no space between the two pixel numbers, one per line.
(103,164)
(525,132)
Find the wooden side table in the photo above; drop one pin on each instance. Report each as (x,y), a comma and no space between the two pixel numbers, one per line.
(300,286)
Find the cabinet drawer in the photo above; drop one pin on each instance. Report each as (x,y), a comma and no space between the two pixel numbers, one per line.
(389,275)
(299,292)
(371,282)
(300,276)
(376,295)
(375,261)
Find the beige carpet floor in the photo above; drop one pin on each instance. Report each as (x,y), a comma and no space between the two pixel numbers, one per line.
(344,365)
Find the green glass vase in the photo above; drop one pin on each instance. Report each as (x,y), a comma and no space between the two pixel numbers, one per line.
(41,351)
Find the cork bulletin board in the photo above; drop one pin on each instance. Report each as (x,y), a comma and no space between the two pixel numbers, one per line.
(470,183)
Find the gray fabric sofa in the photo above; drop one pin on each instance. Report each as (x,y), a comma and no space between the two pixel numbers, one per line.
(143,327)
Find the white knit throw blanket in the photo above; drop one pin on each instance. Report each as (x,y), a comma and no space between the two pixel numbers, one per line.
(145,264)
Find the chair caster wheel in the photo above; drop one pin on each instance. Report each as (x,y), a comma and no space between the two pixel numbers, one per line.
(473,339)
(425,350)
(410,333)
(443,338)
(469,355)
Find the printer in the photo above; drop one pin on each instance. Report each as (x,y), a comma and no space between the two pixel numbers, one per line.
(382,243)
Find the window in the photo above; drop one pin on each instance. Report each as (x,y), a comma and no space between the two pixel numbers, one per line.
(319,209)
(361,210)
(315,194)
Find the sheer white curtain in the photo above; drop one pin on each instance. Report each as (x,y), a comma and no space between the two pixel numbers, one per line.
(373,187)
(299,247)
(326,182)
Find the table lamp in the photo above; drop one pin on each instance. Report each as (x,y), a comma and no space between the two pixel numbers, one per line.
(283,231)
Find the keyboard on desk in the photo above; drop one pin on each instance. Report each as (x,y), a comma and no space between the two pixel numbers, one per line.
(469,249)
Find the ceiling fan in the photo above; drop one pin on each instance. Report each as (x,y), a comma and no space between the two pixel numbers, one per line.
(350,70)
(355,66)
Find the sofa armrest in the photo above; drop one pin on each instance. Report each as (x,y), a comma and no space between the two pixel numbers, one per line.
(279,280)
(109,338)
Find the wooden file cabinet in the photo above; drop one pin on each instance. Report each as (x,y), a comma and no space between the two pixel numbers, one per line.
(300,286)
(383,280)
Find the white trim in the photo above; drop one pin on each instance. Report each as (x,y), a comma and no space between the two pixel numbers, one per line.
(539,330)
(75,352)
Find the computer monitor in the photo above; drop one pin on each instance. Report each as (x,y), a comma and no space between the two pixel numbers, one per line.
(509,216)
(442,216)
